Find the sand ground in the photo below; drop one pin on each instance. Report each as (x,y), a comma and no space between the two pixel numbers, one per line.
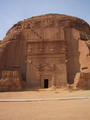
(45,110)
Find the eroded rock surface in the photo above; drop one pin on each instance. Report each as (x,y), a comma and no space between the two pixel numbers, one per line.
(52,48)
(10,81)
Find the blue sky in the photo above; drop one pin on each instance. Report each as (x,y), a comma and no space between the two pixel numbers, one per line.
(12,11)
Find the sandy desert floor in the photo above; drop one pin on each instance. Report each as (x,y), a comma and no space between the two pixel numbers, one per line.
(45,110)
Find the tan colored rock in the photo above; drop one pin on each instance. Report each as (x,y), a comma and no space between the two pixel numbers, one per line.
(10,81)
(84,81)
(47,50)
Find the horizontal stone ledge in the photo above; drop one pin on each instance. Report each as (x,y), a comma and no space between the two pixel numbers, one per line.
(45,41)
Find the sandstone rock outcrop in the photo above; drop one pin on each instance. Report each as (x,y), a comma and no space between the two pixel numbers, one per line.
(82,81)
(10,81)
(47,50)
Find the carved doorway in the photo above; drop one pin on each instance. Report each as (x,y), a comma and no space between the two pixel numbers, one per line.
(45,83)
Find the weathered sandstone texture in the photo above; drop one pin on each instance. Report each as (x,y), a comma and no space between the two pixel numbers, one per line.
(48,51)
(10,80)
(83,81)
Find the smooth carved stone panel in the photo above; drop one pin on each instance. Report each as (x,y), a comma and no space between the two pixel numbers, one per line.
(47,34)
(46,48)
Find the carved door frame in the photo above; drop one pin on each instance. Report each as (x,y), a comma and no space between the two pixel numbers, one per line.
(43,77)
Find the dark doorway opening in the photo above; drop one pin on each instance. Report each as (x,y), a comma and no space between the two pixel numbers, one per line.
(45,83)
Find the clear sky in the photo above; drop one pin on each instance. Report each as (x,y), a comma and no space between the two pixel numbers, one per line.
(12,11)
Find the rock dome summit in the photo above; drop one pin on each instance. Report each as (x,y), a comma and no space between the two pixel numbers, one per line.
(46,51)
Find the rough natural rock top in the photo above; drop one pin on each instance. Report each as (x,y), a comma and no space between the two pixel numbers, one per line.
(60,20)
